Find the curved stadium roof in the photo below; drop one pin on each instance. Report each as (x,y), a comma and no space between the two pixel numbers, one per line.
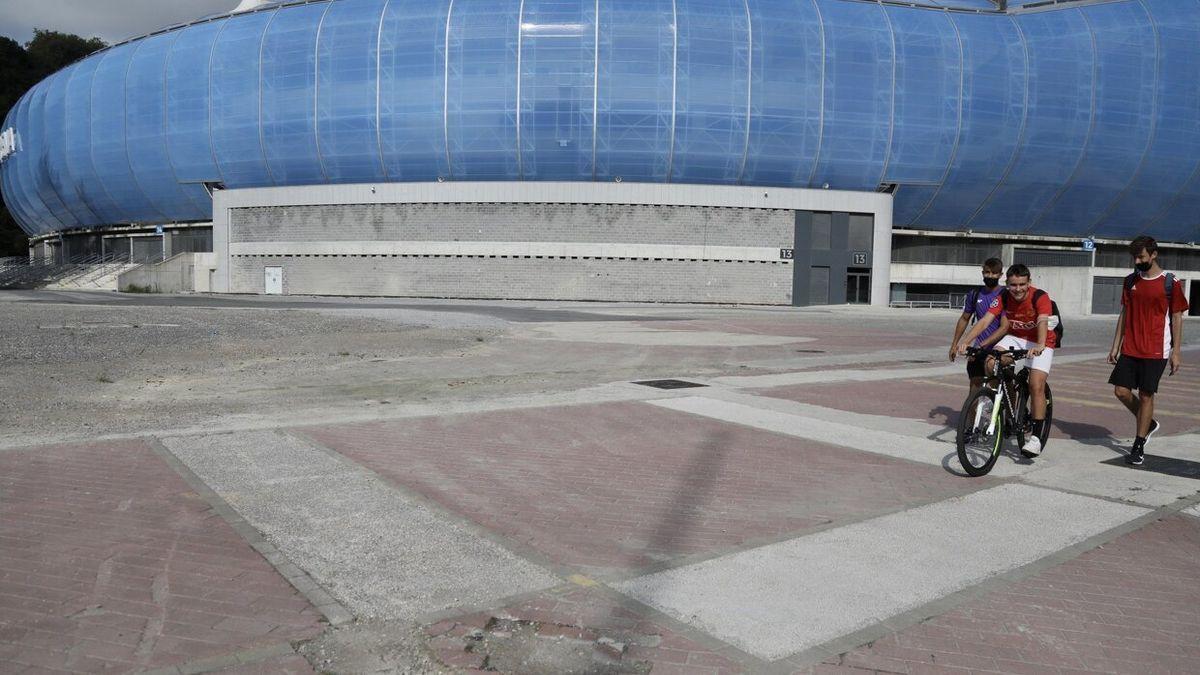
(1083,118)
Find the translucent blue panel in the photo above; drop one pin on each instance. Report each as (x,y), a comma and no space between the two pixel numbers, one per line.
(1161,197)
(145,117)
(79,143)
(1126,68)
(347,103)
(108,136)
(558,84)
(188,140)
(909,202)
(636,73)
(288,105)
(928,79)
(235,101)
(994,78)
(39,156)
(26,163)
(712,91)
(15,191)
(56,149)
(858,96)
(481,102)
(412,89)
(1059,117)
(785,93)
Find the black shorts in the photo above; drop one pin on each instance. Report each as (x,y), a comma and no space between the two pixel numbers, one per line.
(1140,374)
(976,367)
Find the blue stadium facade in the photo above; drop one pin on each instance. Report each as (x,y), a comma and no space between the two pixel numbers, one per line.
(1081,118)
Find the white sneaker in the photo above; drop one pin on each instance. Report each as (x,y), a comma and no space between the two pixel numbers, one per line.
(1033,447)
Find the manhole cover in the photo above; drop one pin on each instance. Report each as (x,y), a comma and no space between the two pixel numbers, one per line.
(670,384)
(1165,465)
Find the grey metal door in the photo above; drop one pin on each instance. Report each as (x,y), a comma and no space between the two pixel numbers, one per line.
(858,287)
(818,286)
(1106,295)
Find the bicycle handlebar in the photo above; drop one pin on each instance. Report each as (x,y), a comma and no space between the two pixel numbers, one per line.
(1011,351)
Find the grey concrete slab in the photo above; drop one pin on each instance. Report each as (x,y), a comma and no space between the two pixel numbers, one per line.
(379,552)
(1115,482)
(795,595)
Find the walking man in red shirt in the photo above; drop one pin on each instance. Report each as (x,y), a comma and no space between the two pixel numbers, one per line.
(1148,336)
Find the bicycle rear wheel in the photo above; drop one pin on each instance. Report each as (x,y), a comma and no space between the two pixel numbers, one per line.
(978,449)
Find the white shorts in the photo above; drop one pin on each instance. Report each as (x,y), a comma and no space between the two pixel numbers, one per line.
(1041,363)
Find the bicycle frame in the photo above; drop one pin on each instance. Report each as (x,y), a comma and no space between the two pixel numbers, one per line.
(1002,398)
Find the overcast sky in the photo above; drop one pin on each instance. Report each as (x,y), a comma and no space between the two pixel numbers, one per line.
(110,20)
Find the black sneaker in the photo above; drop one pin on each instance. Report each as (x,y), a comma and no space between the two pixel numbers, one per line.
(1136,456)
(1154,427)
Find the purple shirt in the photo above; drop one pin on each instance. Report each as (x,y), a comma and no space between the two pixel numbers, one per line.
(982,298)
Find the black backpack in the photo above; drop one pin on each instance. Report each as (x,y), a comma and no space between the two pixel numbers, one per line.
(1054,314)
(1168,286)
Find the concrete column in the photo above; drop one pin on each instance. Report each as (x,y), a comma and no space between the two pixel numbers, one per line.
(881,255)
(220,233)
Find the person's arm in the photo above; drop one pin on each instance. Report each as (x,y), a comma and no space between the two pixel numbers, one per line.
(1179,306)
(1176,343)
(1000,332)
(959,327)
(1118,338)
(987,320)
(1043,325)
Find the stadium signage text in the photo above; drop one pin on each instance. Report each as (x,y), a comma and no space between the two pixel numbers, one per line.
(8,143)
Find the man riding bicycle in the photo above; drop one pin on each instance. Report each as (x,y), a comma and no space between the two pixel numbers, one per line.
(1029,311)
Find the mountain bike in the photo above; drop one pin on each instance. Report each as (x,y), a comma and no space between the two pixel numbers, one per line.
(998,410)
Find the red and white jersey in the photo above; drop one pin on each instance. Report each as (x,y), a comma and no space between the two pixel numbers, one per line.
(1147,325)
(1023,315)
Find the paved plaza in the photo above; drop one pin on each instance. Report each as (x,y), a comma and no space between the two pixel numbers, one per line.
(522,501)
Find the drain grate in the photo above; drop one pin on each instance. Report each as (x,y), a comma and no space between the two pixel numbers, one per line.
(670,384)
(810,351)
(1169,466)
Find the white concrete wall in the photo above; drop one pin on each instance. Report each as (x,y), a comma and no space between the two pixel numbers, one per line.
(239,259)
(173,275)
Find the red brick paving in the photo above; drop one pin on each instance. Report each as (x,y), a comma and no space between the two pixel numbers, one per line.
(585,615)
(1130,606)
(1084,404)
(110,562)
(620,486)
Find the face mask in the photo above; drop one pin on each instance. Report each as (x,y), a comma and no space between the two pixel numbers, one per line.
(1142,267)
(991,282)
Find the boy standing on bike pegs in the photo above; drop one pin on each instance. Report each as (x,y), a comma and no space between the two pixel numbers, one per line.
(975,309)
(1032,320)
(1149,332)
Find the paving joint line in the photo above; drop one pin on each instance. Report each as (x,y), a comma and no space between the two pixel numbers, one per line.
(334,612)
(216,663)
(935,608)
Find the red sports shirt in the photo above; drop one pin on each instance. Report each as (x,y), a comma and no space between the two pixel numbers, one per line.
(1147,332)
(1022,316)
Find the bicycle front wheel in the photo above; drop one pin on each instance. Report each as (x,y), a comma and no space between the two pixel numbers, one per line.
(978,440)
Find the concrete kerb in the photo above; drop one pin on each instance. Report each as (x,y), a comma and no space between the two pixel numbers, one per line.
(949,602)
(334,612)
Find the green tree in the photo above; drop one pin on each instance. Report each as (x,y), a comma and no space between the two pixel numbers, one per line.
(20,68)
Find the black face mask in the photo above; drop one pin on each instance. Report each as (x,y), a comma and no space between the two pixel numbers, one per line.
(1142,267)
(991,282)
